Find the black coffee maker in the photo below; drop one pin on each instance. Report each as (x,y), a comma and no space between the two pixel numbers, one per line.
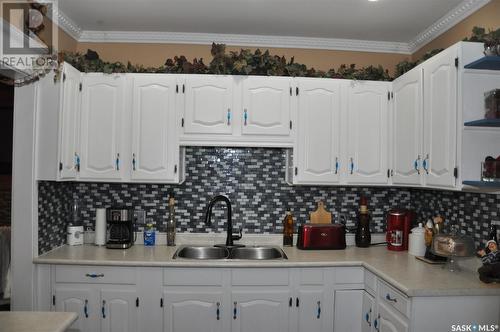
(120,228)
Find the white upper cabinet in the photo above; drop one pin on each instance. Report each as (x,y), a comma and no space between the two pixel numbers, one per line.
(317,149)
(208,104)
(367,114)
(101,127)
(407,129)
(440,118)
(69,122)
(155,148)
(266,106)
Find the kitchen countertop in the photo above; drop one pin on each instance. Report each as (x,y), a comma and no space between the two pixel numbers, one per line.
(28,321)
(403,271)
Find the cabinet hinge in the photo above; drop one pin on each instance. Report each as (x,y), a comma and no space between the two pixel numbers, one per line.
(183,88)
(161,303)
(175,169)
(182,122)
(60,166)
(290,91)
(388,95)
(290,125)
(456,62)
(388,173)
(297,91)
(137,302)
(296,171)
(455,172)
(53,300)
(177,88)
(392,95)
(80,87)
(64,77)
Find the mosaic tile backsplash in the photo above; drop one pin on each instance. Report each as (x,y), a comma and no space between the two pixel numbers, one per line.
(254,179)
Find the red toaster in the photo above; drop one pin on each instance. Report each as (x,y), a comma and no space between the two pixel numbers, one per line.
(321,236)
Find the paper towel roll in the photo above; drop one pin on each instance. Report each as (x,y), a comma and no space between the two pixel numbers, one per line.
(100,227)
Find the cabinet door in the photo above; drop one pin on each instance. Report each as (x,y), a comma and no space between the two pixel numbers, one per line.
(193,311)
(313,313)
(83,302)
(260,310)
(69,122)
(348,307)
(266,106)
(119,309)
(440,117)
(367,133)
(407,129)
(317,151)
(368,312)
(208,104)
(101,123)
(154,139)
(388,321)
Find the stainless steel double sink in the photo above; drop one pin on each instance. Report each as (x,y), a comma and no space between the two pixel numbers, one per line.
(212,252)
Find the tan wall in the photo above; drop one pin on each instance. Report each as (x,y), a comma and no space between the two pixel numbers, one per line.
(487,17)
(156,54)
(66,42)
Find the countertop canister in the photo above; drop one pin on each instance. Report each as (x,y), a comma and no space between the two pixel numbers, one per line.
(416,239)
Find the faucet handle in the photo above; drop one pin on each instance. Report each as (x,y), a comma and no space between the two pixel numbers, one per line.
(238,236)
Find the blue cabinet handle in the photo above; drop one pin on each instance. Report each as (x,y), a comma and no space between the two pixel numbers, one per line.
(86,309)
(218,311)
(235,310)
(375,323)
(103,309)
(319,310)
(426,164)
(77,162)
(337,165)
(133,161)
(388,298)
(417,164)
(368,317)
(228,116)
(94,275)
(117,161)
(245,116)
(352,165)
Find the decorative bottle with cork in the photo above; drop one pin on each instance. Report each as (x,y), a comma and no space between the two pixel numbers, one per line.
(171,222)
(363,236)
(288,230)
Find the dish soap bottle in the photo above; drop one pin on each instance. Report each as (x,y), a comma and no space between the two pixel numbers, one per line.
(149,234)
(171,222)
(363,236)
(288,230)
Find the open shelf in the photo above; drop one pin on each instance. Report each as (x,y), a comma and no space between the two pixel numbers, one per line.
(487,62)
(482,184)
(483,123)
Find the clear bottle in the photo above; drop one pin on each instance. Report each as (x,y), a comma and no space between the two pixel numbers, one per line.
(363,235)
(171,227)
(288,230)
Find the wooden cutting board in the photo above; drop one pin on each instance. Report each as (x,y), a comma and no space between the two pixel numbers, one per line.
(321,215)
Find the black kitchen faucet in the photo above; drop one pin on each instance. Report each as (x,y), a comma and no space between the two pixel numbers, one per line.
(208,220)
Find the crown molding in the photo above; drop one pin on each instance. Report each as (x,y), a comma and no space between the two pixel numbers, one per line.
(452,18)
(68,25)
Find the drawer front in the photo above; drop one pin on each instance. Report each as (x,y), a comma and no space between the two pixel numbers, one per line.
(265,277)
(192,277)
(349,275)
(370,282)
(394,298)
(95,274)
(312,276)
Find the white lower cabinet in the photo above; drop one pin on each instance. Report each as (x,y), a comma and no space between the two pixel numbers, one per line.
(388,320)
(348,306)
(313,309)
(119,309)
(82,300)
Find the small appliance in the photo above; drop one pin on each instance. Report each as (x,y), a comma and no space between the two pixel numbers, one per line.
(398,228)
(74,235)
(120,228)
(321,236)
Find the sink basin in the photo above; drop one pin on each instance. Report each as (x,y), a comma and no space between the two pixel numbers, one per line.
(209,252)
(258,253)
(201,252)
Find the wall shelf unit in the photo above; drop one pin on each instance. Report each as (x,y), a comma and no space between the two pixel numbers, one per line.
(487,63)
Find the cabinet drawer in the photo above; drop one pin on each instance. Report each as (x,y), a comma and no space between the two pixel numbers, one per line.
(192,277)
(349,275)
(370,282)
(267,277)
(95,274)
(394,298)
(312,276)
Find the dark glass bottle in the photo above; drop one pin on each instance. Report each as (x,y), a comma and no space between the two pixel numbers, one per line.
(492,235)
(288,230)
(363,236)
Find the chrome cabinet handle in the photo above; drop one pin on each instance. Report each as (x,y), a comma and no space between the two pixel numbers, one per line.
(337,165)
(86,309)
(94,275)
(388,298)
(319,310)
(103,308)
(218,310)
(133,161)
(352,165)
(245,116)
(416,164)
(228,116)
(117,161)
(425,164)
(235,310)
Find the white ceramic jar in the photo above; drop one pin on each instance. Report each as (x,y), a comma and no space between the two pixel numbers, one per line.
(416,245)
